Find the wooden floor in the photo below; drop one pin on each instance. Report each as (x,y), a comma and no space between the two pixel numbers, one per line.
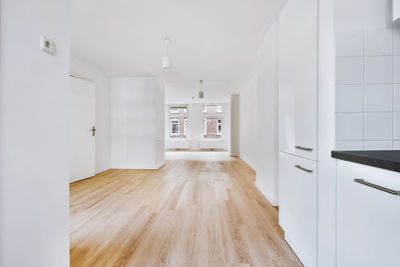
(188,213)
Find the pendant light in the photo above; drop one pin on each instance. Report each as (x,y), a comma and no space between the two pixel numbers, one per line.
(166,61)
(201,92)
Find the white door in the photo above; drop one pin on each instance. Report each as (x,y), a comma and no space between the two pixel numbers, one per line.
(82,135)
(298,205)
(298,55)
(368,218)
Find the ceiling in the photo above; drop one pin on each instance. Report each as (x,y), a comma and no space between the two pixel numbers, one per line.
(213,40)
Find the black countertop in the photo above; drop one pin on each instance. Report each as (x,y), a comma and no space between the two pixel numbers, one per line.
(384,159)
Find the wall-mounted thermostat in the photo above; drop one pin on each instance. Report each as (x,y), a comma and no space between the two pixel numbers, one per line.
(47,45)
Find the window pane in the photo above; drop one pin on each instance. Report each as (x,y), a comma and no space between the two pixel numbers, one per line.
(174,127)
(212,109)
(212,128)
(178,110)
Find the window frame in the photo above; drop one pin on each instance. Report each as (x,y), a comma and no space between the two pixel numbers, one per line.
(219,123)
(171,127)
(185,127)
(174,110)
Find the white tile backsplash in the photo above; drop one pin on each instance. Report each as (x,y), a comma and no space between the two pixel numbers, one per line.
(397,41)
(368,86)
(397,97)
(378,126)
(378,145)
(349,70)
(378,98)
(396,145)
(349,145)
(350,43)
(397,69)
(349,98)
(378,42)
(349,126)
(396,126)
(378,69)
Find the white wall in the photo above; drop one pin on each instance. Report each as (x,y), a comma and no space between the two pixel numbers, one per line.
(137,123)
(367,75)
(248,126)
(34,114)
(195,129)
(258,107)
(102,81)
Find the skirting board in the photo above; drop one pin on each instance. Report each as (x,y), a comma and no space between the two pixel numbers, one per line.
(141,167)
(271,199)
(295,250)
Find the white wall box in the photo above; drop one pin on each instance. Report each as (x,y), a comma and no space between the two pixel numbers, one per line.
(368,218)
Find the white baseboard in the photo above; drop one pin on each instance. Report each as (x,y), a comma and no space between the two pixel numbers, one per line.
(271,199)
(102,170)
(139,167)
(296,250)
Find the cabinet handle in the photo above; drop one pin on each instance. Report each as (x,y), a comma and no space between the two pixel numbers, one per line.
(387,190)
(304,148)
(303,169)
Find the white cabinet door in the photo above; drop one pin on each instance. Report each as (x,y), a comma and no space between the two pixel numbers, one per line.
(298,205)
(298,48)
(368,218)
(396,10)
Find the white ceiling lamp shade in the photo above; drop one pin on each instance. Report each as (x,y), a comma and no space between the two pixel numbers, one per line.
(166,60)
(201,92)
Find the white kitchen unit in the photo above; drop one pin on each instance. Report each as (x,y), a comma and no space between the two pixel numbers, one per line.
(396,10)
(298,205)
(298,86)
(368,216)
(298,82)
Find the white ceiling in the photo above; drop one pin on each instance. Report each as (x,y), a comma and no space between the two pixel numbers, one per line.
(213,40)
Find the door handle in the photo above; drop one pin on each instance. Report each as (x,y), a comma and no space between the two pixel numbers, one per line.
(93,131)
(303,169)
(384,189)
(304,148)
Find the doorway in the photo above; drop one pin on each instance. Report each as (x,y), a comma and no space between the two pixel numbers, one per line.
(82,128)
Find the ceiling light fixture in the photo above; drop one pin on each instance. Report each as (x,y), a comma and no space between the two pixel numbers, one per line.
(201,92)
(166,61)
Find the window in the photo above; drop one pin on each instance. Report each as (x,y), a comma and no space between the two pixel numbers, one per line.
(178,110)
(212,128)
(212,109)
(178,116)
(185,121)
(219,127)
(174,127)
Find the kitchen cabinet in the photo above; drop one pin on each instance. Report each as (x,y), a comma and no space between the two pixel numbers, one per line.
(368,219)
(298,205)
(298,81)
